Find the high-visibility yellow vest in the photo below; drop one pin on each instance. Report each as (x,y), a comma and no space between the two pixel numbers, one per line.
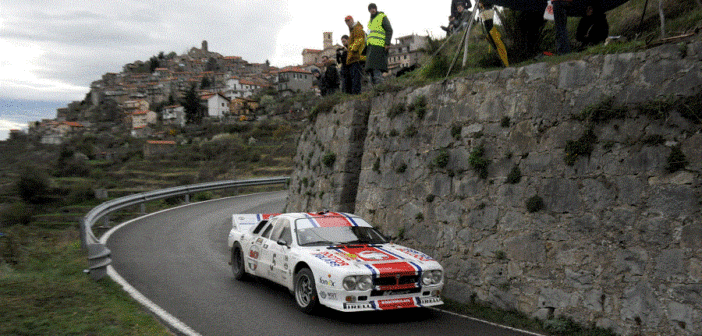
(376,36)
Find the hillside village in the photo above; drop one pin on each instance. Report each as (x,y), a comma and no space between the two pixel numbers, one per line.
(151,93)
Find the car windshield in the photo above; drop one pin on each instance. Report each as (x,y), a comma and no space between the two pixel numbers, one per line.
(338,235)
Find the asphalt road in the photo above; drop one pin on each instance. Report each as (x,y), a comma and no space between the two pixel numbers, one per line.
(179,260)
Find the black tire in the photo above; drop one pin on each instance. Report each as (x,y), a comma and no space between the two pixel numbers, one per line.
(238,263)
(305,291)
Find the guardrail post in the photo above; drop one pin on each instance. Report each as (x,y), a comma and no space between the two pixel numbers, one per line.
(98,260)
(142,208)
(187,198)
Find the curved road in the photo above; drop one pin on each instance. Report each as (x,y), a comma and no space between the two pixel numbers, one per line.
(178,259)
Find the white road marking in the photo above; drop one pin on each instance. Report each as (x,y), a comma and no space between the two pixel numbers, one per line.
(486,322)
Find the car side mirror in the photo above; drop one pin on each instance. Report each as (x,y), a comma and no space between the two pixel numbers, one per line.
(282,242)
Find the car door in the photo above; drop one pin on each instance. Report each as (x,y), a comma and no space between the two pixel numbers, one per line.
(255,250)
(274,255)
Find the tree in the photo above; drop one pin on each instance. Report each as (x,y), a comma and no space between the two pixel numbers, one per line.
(33,186)
(194,111)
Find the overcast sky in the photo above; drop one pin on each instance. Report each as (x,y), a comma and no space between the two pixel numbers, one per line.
(51,50)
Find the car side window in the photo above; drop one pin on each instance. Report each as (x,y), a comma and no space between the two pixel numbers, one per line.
(279,228)
(267,231)
(260,226)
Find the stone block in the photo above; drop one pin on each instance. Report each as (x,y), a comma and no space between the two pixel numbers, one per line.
(528,247)
(640,306)
(692,236)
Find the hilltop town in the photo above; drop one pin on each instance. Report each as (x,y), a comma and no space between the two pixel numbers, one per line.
(148,96)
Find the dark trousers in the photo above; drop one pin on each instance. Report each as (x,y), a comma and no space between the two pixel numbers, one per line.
(345,79)
(561,17)
(356,73)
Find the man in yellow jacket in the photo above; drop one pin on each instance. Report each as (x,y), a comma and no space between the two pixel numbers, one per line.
(357,42)
(379,38)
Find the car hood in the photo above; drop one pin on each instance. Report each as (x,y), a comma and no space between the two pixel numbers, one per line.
(379,259)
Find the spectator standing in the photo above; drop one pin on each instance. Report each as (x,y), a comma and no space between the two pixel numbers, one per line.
(341,55)
(379,38)
(454,6)
(560,15)
(593,27)
(330,76)
(317,81)
(357,43)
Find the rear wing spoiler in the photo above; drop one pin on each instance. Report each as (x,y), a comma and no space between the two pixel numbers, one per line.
(246,222)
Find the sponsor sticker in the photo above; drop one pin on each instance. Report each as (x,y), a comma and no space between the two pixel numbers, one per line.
(414,253)
(330,258)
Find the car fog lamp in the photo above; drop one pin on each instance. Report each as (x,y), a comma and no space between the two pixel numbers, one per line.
(364,283)
(349,283)
(351,299)
(427,278)
(437,276)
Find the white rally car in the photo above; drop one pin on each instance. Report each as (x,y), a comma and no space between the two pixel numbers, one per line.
(334,259)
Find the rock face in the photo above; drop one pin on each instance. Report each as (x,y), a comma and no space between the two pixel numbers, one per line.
(474,172)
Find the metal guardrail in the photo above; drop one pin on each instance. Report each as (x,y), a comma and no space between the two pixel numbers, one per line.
(99,254)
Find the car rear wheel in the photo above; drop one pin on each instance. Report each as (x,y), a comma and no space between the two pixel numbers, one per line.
(238,263)
(305,291)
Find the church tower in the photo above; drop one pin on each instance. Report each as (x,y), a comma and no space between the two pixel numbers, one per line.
(204,45)
(327,40)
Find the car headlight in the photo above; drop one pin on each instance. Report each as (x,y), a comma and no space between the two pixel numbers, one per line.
(364,283)
(432,277)
(358,282)
(427,278)
(350,283)
(437,276)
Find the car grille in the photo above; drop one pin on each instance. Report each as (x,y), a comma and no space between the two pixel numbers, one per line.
(395,285)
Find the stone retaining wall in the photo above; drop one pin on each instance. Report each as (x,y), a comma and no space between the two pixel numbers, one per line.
(618,241)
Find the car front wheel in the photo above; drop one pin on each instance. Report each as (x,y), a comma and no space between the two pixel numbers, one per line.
(238,263)
(305,291)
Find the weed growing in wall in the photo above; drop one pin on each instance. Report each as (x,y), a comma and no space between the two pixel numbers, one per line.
(505,122)
(535,203)
(583,146)
(676,160)
(411,131)
(396,110)
(514,176)
(329,159)
(442,160)
(602,112)
(478,161)
(456,131)
(419,106)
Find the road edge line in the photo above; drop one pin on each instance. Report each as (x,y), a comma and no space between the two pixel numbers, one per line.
(487,322)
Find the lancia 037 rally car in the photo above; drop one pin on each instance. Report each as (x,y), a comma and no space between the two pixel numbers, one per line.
(334,259)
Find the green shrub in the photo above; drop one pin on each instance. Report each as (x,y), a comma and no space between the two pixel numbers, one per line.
(442,159)
(401,169)
(535,203)
(203,196)
(16,213)
(33,186)
(329,159)
(505,122)
(676,160)
(653,140)
(514,176)
(602,112)
(478,161)
(583,146)
(456,131)
(411,131)
(396,110)
(419,106)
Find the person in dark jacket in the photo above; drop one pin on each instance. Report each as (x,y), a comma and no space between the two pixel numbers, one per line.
(341,55)
(330,76)
(592,28)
